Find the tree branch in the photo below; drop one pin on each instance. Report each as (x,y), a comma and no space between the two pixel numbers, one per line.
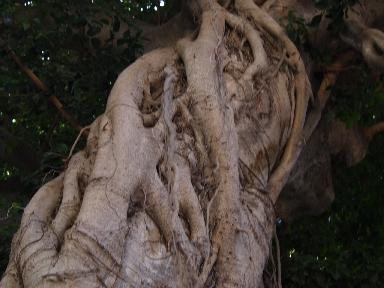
(41,85)
(373,130)
(324,92)
(361,35)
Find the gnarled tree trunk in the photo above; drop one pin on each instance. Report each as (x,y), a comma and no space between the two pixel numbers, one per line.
(177,184)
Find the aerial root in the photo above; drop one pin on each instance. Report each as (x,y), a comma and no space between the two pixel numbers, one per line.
(208,265)
(278,259)
(181,197)
(150,109)
(83,130)
(324,92)
(92,140)
(36,241)
(217,155)
(34,219)
(190,206)
(10,277)
(160,209)
(71,200)
(294,144)
(260,61)
(199,144)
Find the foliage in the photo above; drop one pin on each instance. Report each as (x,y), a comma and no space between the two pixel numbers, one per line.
(56,39)
(344,247)
(335,10)
(58,43)
(296,28)
(9,219)
(362,103)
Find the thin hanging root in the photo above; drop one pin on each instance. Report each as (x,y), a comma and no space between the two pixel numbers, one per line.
(273,266)
(294,145)
(276,273)
(83,130)
(278,259)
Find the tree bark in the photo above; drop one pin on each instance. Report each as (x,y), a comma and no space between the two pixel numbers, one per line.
(177,184)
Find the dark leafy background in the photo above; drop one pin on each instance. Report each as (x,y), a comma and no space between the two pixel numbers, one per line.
(56,39)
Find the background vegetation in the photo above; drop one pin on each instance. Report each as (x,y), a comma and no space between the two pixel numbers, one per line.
(56,39)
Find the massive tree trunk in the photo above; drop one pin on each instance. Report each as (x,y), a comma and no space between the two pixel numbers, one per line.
(177,184)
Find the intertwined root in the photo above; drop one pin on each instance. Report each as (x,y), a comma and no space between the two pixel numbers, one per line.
(175,185)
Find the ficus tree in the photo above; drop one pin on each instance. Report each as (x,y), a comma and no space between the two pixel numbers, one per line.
(183,174)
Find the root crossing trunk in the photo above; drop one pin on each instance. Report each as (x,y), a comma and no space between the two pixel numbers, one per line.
(177,183)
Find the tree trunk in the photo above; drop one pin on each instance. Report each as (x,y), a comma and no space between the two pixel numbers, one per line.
(177,184)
